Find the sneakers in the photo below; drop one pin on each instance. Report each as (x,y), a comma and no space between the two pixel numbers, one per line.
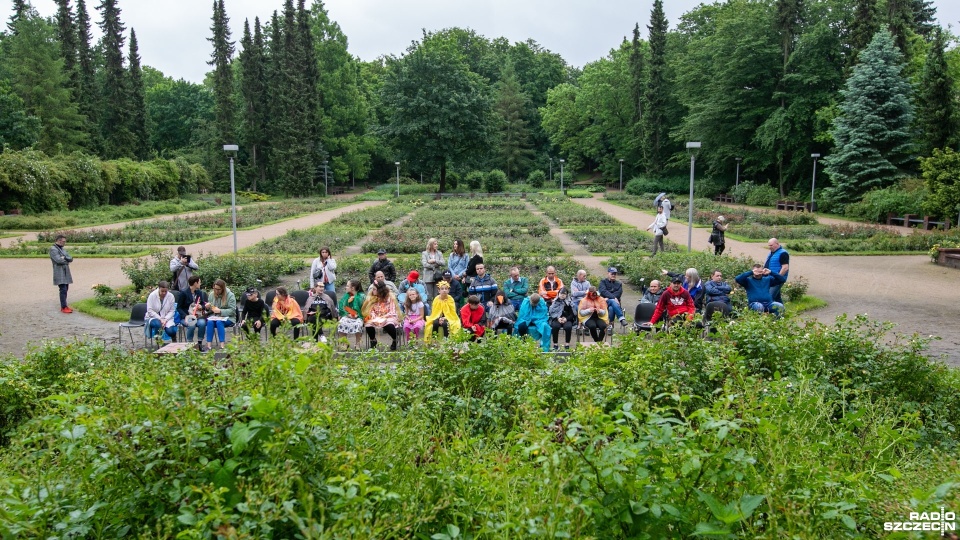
(556,347)
(66,310)
(623,321)
(566,347)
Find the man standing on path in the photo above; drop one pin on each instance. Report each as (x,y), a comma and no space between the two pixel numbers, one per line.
(61,270)
(382,264)
(182,266)
(658,225)
(612,290)
(779,263)
(667,207)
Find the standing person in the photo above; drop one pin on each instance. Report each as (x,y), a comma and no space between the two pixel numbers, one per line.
(223,306)
(516,288)
(458,260)
(578,288)
(501,315)
(717,237)
(562,314)
(324,271)
(443,314)
(318,307)
(161,311)
(61,270)
(534,320)
(350,304)
(778,261)
(432,262)
(382,264)
(191,302)
(414,315)
(285,309)
(593,315)
(380,310)
(471,315)
(182,266)
(611,289)
(658,227)
(759,284)
(667,206)
(549,285)
(476,258)
(253,311)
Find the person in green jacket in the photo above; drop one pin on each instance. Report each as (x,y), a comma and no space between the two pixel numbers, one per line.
(223,306)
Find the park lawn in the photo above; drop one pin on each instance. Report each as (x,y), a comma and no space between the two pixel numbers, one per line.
(92,308)
(806,304)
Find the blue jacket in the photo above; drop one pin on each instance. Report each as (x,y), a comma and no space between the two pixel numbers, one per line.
(484,287)
(718,292)
(773,261)
(758,290)
(537,318)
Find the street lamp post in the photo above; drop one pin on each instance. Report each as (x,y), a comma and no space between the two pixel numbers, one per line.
(813,185)
(738,173)
(562,161)
(230,148)
(621,174)
(397,163)
(692,147)
(551,171)
(326,185)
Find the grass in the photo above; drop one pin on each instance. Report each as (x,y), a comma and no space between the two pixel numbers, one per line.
(92,308)
(806,304)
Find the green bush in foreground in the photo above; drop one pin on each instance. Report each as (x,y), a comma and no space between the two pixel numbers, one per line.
(774,429)
(239,271)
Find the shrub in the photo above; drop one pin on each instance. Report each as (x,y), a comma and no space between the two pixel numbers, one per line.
(740,192)
(536,178)
(637,265)
(239,271)
(764,195)
(941,174)
(645,185)
(495,181)
(474,180)
(907,197)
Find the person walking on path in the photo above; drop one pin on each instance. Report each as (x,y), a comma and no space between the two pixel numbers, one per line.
(717,237)
(61,270)
(667,207)
(779,263)
(658,226)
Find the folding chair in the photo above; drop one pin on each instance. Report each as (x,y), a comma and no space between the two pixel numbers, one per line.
(137,320)
(641,318)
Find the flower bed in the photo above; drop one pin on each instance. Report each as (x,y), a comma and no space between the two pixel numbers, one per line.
(567,213)
(239,271)
(616,239)
(307,242)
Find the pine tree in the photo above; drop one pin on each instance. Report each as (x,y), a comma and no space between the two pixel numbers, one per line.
(924,17)
(253,96)
(872,135)
(221,59)
(655,128)
(637,81)
(865,24)
(789,22)
(309,81)
(88,94)
(138,103)
(937,104)
(20,9)
(516,153)
(118,140)
(900,21)
(67,35)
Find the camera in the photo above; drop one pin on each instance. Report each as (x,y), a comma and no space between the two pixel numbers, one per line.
(187,257)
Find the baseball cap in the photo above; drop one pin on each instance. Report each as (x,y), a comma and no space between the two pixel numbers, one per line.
(612,269)
(413,276)
(677,279)
(447,273)
(251,291)
(381,251)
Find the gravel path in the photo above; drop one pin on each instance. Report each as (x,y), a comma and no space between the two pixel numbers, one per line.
(40,306)
(908,290)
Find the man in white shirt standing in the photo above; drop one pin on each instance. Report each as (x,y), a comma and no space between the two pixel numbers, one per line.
(667,206)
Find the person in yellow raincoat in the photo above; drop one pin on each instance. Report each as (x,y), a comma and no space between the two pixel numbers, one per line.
(443,315)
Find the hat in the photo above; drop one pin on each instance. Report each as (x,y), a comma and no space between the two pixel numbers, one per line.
(381,251)
(721,218)
(677,279)
(447,273)
(413,276)
(612,269)
(251,291)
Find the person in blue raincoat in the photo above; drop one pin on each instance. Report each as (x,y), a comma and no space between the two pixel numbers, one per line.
(533,320)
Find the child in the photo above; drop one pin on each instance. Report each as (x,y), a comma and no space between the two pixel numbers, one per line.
(413,307)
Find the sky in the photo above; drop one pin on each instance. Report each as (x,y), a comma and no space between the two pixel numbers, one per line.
(173,34)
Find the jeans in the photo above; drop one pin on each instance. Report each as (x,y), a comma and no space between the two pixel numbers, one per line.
(516,303)
(764,307)
(63,295)
(201,326)
(614,306)
(170,331)
(219,327)
(775,293)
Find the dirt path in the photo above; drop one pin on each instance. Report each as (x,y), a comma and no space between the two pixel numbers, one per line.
(37,309)
(908,290)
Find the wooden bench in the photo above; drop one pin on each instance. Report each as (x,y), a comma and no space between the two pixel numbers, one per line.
(927,223)
(798,206)
(336,190)
(723,198)
(949,257)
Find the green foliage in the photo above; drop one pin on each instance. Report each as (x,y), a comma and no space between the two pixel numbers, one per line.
(239,271)
(494,181)
(637,266)
(878,243)
(474,180)
(18,128)
(903,198)
(647,185)
(941,172)
(567,213)
(101,215)
(536,178)
(306,242)
(763,195)
(122,298)
(617,240)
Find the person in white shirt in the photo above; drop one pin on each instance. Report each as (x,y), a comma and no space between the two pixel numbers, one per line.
(324,271)
(667,207)
(161,311)
(658,225)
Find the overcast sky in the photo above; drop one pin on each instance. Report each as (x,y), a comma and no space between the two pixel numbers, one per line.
(172,33)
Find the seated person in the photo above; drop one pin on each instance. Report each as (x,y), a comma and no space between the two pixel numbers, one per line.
(223,312)
(471,315)
(652,293)
(319,307)
(717,297)
(549,285)
(190,304)
(757,283)
(443,314)
(412,281)
(285,309)
(501,315)
(692,284)
(562,314)
(517,288)
(414,315)
(253,312)
(651,296)
(161,313)
(593,314)
(675,302)
(380,310)
(533,320)
(456,289)
(611,289)
(379,276)
(351,322)
(579,287)
(483,285)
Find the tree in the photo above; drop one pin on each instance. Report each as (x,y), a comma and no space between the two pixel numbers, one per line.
(138,103)
(220,59)
(253,97)
(872,134)
(513,146)
(937,102)
(18,128)
(88,94)
(20,9)
(941,172)
(866,23)
(118,140)
(179,113)
(638,83)
(439,112)
(67,35)
(655,128)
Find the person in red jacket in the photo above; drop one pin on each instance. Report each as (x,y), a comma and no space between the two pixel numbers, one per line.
(470,316)
(676,301)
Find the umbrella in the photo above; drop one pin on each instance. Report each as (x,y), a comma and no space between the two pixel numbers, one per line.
(656,202)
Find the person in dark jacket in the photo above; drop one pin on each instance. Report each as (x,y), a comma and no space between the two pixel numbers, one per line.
(758,283)
(562,313)
(61,270)
(255,311)
(382,264)
(191,302)
(612,290)
(717,297)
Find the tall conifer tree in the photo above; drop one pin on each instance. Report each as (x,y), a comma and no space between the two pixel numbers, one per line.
(138,102)
(254,103)
(309,83)
(20,9)
(221,59)
(67,35)
(118,140)
(88,97)
(937,103)
(655,128)
(865,24)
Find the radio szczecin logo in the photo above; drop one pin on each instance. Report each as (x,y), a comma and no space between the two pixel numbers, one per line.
(942,522)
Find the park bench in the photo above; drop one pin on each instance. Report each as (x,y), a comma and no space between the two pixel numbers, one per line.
(336,190)
(723,198)
(799,206)
(913,220)
(949,257)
